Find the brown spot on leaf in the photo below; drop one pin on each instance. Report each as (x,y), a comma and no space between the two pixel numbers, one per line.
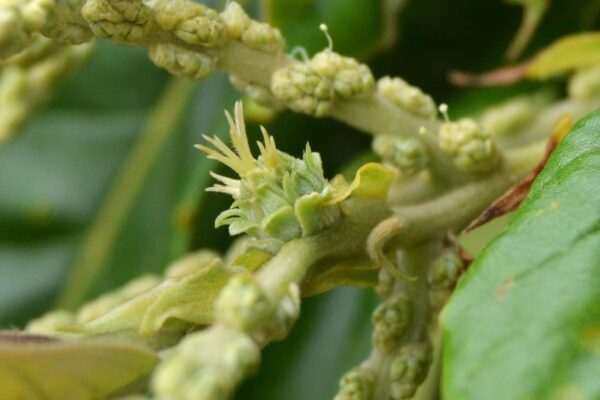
(590,338)
(505,286)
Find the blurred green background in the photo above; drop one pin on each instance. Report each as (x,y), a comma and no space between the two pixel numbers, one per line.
(57,174)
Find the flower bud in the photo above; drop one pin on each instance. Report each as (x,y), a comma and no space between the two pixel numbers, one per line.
(303,89)
(410,98)
(391,319)
(408,370)
(356,384)
(349,78)
(471,148)
(285,315)
(242,304)
(258,35)
(50,323)
(408,155)
(191,22)
(180,61)
(121,21)
(443,275)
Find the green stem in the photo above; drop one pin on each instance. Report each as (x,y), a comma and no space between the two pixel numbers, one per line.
(104,230)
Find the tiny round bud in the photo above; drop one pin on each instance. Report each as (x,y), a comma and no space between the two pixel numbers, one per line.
(264,37)
(236,20)
(51,322)
(356,384)
(408,155)
(285,315)
(471,148)
(410,98)
(349,78)
(181,61)
(408,370)
(191,22)
(242,304)
(303,89)
(391,319)
(121,21)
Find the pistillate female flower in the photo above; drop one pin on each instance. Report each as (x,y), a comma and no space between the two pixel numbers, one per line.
(276,196)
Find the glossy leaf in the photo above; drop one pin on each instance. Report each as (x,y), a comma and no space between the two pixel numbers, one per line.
(525,321)
(39,368)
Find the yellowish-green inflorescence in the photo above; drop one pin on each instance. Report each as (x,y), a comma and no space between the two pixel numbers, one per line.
(471,148)
(276,196)
(313,86)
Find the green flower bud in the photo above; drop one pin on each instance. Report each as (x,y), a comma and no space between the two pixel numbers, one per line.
(356,384)
(242,304)
(443,275)
(391,319)
(191,22)
(471,148)
(277,196)
(410,98)
(64,21)
(121,21)
(585,83)
(236,20)
(408,370)
(303,89)
(258,35)
(14,36)
(349,78)
(194,371)
(285,315)
(408,155)
(180,61)
(263,37)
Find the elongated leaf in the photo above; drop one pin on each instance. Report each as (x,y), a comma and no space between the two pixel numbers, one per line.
(525,321)
(569,53)
(39,368)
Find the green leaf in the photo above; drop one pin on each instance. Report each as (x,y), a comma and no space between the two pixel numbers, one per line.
(299,21)
(525,321)
(571,52)
(36,367)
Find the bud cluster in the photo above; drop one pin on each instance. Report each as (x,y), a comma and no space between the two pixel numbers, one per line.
(312,87)
(408,370)
(258,35)
(356,384)
(410,98)
(28,78)
(443,274)
(197,370)
(408,155)
(390,320)
(471,148)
